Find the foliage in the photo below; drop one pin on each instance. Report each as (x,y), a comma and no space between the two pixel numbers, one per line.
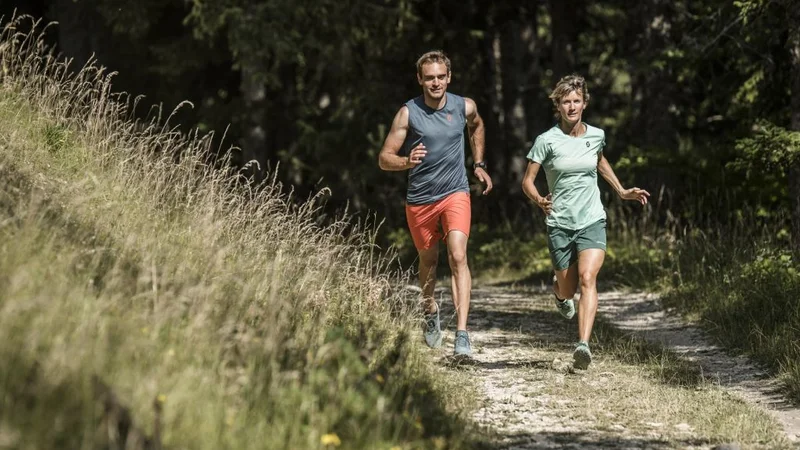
(311,86)
(770,148)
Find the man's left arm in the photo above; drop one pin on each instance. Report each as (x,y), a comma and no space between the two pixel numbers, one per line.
(476,142)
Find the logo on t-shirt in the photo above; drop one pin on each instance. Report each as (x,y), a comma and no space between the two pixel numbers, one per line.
(449,118)
(587,143)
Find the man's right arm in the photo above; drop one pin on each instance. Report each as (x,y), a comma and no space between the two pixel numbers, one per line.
(388,159)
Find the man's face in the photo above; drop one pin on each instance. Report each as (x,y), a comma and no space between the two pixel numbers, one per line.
(571,107)
(434,80)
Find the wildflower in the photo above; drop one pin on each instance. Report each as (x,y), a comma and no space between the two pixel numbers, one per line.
(330,439)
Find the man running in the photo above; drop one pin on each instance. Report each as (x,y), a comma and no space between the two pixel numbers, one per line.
(427,139)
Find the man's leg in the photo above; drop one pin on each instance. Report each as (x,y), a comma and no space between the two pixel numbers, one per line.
(427,280)
(460,278)
(456,218)
(428,260)
(423,225)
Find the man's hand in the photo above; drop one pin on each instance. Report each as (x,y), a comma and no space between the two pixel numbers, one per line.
(546,203)
(484,178)
(636,194)
(416,155)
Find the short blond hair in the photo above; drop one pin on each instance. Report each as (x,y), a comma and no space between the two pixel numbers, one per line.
(434,56)
(567,85)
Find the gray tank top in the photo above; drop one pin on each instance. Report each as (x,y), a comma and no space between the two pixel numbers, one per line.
(442,171)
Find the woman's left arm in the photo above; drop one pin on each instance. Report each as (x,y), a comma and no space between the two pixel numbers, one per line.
(605,170)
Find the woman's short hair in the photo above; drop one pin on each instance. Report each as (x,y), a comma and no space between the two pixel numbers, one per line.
(568,84)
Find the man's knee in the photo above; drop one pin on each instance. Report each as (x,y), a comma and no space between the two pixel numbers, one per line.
(428,259)
(458,258)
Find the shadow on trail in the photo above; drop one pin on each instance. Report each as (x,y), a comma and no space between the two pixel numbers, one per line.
(530,320)
(501,365)
(586,441)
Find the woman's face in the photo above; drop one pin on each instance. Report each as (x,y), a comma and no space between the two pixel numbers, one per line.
(571,107)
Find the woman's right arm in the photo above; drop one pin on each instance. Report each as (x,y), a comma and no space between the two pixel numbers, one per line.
(529,188)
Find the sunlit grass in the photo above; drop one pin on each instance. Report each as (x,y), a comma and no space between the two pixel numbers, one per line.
(150,295)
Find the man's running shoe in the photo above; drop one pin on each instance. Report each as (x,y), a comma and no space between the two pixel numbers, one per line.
(433,330)
(565,307)
(462,346)
(582,356)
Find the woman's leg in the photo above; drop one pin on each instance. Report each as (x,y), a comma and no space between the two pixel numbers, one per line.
(589,263)
(566,282)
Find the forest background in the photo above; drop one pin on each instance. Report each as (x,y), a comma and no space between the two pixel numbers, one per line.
(695,96)
(698,99)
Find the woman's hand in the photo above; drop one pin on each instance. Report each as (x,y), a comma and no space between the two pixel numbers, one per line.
(636,194)
(546,203)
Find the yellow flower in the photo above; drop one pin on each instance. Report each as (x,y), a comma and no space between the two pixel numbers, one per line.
(379,378)
(161,398)
(330,439)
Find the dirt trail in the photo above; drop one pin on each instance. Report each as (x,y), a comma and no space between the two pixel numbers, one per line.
(643,314)
(522,350)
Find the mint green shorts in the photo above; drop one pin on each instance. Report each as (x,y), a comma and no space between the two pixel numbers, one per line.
(565,244)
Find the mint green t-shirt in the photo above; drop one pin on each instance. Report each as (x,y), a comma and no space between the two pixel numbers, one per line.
(570,165)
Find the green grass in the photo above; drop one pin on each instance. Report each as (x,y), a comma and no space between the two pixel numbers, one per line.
(738,279)
(149,295)
(743,288)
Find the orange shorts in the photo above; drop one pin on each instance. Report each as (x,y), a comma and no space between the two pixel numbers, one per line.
(454,211)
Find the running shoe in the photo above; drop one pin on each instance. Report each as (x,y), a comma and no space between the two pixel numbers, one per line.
(582,356)
(565,307)
(462,346)
(433,330)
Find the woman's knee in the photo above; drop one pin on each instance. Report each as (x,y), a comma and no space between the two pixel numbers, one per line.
(588,279)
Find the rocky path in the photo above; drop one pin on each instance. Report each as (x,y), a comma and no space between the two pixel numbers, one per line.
(533,399)
(643,314)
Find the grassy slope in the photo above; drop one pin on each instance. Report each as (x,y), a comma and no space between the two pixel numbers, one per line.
(214,315)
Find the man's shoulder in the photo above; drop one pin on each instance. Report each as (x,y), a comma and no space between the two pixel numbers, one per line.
(414,101)
(455,96)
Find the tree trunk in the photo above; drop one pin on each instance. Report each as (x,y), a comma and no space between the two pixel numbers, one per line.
(564,31)
(794,170)
(78,33)
(653,89)
(514,80)
(494,118)
(254,142)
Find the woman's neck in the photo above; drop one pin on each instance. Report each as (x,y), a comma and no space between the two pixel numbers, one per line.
(576,129)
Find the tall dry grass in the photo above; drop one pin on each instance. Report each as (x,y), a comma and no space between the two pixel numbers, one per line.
(152,298)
